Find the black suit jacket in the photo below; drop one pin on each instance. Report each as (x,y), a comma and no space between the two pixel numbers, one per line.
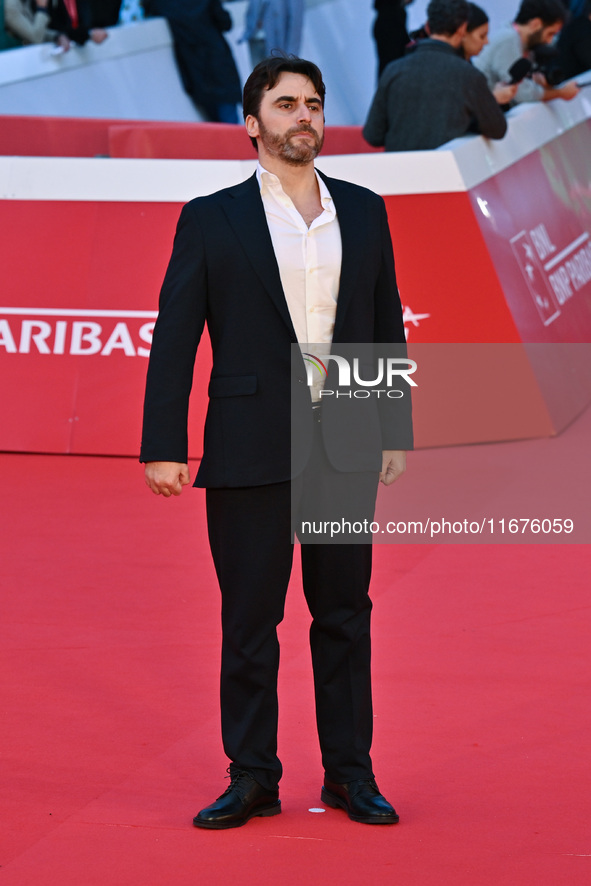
(223,271)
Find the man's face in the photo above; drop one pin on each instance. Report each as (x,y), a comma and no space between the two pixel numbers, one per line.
(542,35)
(290,124)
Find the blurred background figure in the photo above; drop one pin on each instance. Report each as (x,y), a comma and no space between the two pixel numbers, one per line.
(389,30)
(73,18)
(574,44)
(476,33)
(273,24)
(204,58)
(104,13)
(473,43)
(64,21)
(29,23)
(431,95)
(131,11)
(536,25)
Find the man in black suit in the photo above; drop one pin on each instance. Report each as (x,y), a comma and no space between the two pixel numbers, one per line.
(285,258)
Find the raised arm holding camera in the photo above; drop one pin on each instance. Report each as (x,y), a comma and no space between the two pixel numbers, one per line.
(537,24)
(432,95)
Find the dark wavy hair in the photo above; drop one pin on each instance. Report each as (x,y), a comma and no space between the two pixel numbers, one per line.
(446,16)
(476,17)
(266,74)
(550,11)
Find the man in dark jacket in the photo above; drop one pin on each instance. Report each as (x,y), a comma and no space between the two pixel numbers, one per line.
(203,56)
(432,95)
(389,31)
(287,257)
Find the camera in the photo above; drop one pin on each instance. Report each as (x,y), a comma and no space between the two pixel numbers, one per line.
(545,60)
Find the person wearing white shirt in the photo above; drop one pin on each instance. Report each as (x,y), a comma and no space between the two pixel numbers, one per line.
(286,258)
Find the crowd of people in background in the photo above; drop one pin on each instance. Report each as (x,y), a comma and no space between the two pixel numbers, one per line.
(537,24)
(432,95)
(449,79)
(204,58)
(62,22)
(440,81)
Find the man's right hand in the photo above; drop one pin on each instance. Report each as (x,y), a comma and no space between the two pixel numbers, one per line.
(505,92)
(167,477)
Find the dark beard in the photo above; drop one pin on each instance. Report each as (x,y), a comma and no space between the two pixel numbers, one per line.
(297,153)
(534,39)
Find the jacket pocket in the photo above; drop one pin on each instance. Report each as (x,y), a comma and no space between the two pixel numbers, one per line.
(232,386)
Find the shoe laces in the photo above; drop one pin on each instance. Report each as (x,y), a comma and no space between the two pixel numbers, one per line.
(240,782)
(361,782)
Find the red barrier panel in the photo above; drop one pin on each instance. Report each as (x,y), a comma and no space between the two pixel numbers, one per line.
(54,136)
(193,141)
(180,141)
(76,137)
(504,258)
(535,217)
(448,282)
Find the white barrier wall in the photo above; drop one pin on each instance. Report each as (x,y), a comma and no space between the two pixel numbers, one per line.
(133,74)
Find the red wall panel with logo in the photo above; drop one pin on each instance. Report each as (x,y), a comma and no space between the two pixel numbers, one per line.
(537,227)
(80,282)
(75,337)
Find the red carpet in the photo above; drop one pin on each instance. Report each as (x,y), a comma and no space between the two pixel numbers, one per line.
(110,740)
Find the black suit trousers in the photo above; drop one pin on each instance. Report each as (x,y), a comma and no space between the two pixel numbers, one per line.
(251,538)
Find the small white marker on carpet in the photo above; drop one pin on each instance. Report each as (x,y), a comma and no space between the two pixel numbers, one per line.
(316,809)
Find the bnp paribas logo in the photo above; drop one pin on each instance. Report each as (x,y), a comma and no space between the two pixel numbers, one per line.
(387,372)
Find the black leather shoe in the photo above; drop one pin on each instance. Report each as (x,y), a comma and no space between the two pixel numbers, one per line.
(361,800)
(241,801)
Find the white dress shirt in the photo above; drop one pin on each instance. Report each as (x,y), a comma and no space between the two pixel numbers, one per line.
(309,260)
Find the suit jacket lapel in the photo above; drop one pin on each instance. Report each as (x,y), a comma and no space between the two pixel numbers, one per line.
(245,212)
(350,225)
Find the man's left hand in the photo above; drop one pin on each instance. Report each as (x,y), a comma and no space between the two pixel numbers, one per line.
(393,465)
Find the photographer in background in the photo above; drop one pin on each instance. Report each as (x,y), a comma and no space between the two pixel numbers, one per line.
(432,95)
(536,25)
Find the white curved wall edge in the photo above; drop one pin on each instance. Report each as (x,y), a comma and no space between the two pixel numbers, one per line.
(172,181)
(459,166)
(132,75)
(31,62)
(117,181)
(530,127)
